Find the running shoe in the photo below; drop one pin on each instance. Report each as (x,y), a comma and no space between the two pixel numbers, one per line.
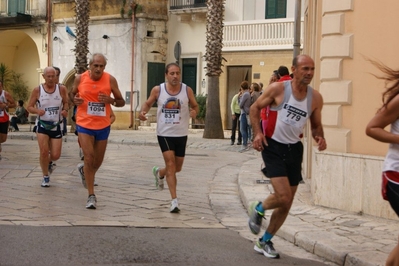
(158,180)
(46,181)
(244,148)
(51,167)
(174,206)
(91,202)
(255,218)
(266,248)
(81,174)
(81,154)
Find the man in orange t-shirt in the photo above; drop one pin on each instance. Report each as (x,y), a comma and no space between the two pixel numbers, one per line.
(91,93)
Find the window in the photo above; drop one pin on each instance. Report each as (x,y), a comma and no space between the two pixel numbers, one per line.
(15,6)
(276,9)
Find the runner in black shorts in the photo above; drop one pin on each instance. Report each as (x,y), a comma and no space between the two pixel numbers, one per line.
(291,104)
(387,116)
(176,104)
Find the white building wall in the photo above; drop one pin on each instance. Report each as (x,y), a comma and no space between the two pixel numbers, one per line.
(117,49)
(193,43)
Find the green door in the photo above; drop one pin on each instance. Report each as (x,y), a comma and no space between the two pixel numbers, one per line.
(189,73)
(155,76)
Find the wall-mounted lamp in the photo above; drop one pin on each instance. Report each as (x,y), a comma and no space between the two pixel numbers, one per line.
(105,36)
(203,83)
(55,38)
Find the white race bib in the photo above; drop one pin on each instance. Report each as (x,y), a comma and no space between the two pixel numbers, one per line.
(52,113)
(293,116)
(96,109)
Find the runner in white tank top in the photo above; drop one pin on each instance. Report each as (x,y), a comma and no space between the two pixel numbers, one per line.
(292,104)
(176,104)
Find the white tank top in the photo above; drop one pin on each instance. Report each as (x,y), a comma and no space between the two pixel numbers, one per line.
(391,162)
(292,116)
(173,112)
(51,103)
(4,116)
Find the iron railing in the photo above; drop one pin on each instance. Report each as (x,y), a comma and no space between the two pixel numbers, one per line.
(187,4)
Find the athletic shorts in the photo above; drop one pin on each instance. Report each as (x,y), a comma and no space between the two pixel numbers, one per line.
(98,134)
(4,127)
(176,144)
(390,189)
(283,160)
(53,134)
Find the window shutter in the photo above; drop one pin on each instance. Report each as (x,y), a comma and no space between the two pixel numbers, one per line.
(276,9)
(15,6)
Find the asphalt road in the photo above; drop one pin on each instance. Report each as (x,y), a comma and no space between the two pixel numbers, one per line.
(25,245)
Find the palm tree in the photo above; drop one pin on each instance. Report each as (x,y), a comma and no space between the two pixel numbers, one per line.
(82,35)
(5,75)
(213,57)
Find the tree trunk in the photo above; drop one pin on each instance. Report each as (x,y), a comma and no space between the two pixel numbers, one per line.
(213,119)
(213,56)
(82,35)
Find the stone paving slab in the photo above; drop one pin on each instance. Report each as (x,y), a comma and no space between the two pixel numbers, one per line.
(127,197)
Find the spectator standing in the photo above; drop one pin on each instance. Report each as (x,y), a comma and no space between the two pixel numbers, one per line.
(284,73)
(245,124)
(235,115)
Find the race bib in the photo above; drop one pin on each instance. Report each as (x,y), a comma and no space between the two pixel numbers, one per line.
(96,109)
(171,116)
(52,112)
(171,111)
(293,116)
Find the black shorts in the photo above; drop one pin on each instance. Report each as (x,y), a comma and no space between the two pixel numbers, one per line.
(176,144)
(283,160)
(53,134)
(4,127)
(390,188)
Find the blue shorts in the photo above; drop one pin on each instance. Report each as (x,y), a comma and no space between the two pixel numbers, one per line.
(98,134)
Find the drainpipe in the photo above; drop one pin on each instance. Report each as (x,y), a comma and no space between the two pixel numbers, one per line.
(297,31)
(132,114)
(49,34)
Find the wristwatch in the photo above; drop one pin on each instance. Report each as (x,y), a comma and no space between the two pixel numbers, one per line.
(114,103)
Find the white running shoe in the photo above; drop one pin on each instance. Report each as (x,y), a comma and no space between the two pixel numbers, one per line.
(81,174)
(46,181)
(91,202)
(174,206)
(158,180)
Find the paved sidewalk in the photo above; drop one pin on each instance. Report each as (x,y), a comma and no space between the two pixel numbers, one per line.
(340,237)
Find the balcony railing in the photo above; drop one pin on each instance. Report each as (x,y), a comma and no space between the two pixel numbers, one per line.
(186,4)
(273,34)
